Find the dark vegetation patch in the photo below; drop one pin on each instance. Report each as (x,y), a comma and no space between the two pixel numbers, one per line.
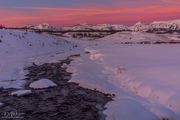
(153,42)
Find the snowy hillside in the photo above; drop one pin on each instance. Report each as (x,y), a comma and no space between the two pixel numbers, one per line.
(92,32)
(79,27)
(98,27)
(20,49)
(80,31)
(142,38)
(86,35)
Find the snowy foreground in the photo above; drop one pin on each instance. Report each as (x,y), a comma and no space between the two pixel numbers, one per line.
(144,77)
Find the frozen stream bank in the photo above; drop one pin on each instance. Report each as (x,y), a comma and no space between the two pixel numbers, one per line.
(145,78)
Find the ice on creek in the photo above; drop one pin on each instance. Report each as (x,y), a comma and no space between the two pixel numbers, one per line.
(21,93)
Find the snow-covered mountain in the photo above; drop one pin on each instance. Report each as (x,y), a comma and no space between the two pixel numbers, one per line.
(139,26)
(91,32)
(98,27)
(173,25)
(43,26)
(28,26)
(158,26)
(155,27)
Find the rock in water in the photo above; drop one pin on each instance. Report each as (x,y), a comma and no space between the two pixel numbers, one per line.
(42,83)
(21,93)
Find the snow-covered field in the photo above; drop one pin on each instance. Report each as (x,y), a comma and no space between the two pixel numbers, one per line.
(144,77)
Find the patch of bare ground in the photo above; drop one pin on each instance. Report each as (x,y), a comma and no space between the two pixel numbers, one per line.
(66,101)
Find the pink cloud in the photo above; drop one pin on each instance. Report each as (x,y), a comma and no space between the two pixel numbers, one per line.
(70,16)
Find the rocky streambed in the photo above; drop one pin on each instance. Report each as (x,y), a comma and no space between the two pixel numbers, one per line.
(63,100)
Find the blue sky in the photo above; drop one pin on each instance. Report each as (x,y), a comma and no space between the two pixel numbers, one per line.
(74,3)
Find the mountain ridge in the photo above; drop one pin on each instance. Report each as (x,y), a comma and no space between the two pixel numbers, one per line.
(153,27)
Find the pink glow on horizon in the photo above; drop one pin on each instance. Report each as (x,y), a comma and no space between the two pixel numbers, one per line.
(71,16)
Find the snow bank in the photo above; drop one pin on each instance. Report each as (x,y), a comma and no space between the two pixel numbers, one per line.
(145,78)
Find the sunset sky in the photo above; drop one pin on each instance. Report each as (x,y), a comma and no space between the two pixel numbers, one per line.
(70,12)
